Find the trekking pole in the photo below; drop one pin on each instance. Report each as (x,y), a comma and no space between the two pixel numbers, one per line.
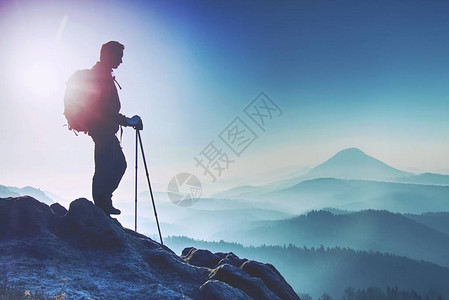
(135,185)
(149,184)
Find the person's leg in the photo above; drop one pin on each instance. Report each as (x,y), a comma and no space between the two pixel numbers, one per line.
(110,165)
(118,166)
(104,159)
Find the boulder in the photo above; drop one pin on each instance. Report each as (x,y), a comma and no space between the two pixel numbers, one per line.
(58,209)
(24,216)
(237,278)
(89,226)
(217,290)
(202,258)
(186,251)
(271,277)
(232,259)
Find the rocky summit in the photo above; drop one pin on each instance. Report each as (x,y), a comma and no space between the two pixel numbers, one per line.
(81,253)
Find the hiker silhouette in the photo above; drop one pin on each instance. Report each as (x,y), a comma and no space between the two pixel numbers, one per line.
(110,162)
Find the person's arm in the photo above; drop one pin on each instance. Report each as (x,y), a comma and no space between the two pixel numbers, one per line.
(121,120)
(135,122)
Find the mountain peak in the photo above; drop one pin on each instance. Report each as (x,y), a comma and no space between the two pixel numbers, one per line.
(351,151)
(350,154)
(353,163)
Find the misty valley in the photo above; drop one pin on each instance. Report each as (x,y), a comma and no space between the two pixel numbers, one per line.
(351,223)
(352,226)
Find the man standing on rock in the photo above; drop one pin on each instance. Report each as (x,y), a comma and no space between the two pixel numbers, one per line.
(110,163)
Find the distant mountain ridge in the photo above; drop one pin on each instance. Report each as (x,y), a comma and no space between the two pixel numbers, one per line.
(11,191)
(361,194)
(351,163)
(370,230)
(425,178)
(438,221)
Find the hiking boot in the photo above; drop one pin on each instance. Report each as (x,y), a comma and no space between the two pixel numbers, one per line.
(112,211)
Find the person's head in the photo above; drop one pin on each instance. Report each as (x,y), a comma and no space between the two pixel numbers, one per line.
(111,54)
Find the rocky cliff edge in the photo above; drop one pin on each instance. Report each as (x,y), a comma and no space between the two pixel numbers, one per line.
(83,254)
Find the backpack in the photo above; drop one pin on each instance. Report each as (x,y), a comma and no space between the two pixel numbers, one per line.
(79,95)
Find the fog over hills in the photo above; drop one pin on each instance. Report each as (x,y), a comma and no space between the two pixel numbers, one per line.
(366,230)
(361,194)
(202,220)
(315,271)
(367,206)
(349,164)
(426,178)
(438,221)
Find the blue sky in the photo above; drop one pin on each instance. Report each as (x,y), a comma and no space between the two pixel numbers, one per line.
(361,74)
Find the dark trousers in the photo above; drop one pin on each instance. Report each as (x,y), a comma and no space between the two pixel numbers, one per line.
(110,165)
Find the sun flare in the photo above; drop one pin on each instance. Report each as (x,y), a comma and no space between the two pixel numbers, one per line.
(40,78)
